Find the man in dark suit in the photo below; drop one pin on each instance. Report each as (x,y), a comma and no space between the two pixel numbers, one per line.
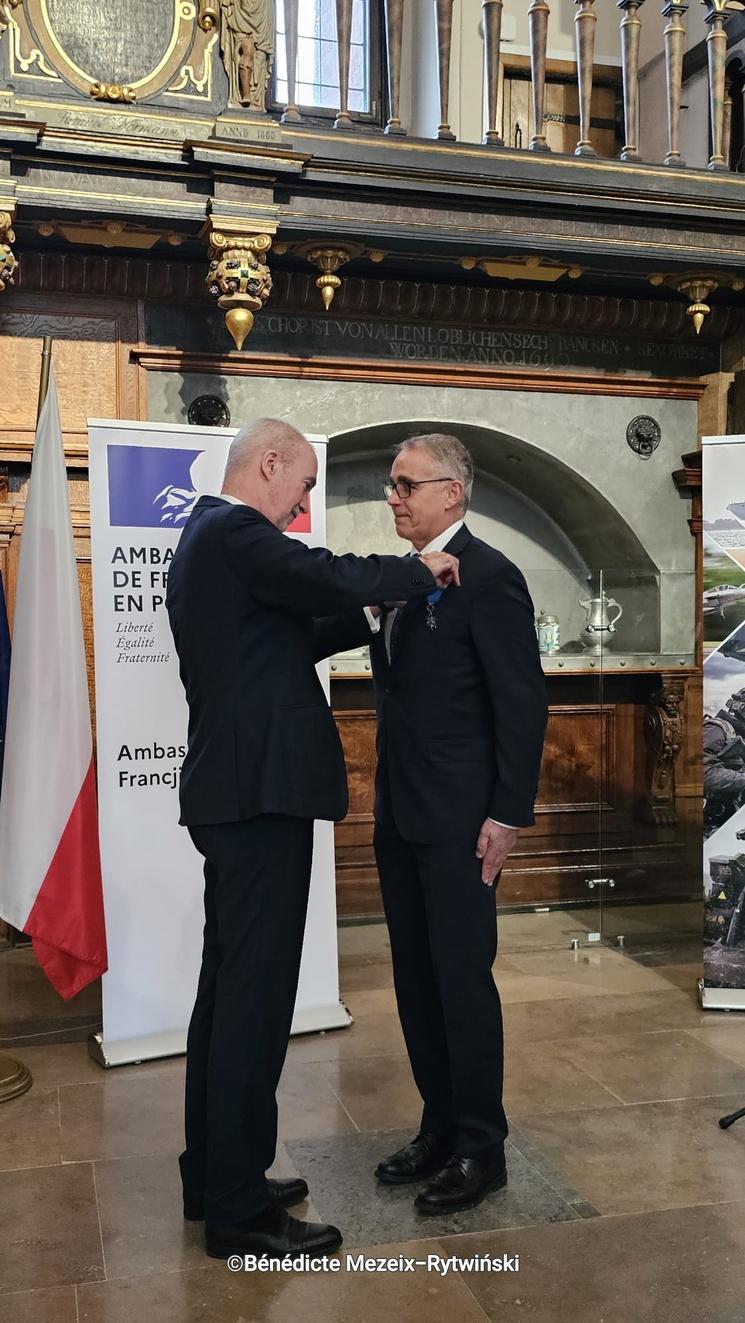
(263,761)
(461,705)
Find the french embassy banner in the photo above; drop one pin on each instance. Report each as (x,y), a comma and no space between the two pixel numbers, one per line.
(145,479)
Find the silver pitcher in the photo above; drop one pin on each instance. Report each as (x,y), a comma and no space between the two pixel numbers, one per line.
(599,628)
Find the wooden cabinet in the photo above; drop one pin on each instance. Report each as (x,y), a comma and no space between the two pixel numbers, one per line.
(592,812)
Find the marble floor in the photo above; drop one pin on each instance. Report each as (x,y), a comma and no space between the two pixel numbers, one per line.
(625,1199)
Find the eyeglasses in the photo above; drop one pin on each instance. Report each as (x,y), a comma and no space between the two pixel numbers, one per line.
(405,486)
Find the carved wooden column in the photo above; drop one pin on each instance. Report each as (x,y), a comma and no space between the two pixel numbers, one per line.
(491,11)
(343,43)
(444,16)
(538,21)
(394,26)
(663,736)
(291,113)
(674,36)
(716,50)
(585,20)
(631,29)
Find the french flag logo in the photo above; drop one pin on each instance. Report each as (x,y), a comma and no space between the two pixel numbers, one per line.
(158,486)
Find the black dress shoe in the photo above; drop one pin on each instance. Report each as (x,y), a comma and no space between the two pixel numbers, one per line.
(285,1194)
(462,1183)
(417,1161)
(274,1233)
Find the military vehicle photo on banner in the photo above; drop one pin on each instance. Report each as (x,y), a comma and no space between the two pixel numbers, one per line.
(724,715)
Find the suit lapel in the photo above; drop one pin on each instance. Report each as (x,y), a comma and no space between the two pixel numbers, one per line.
(409,613)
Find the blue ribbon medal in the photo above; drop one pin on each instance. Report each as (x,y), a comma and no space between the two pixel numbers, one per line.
(430,618)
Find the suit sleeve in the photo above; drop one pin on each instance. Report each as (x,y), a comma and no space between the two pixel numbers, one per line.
(284,573)
(504,637)
(338,633)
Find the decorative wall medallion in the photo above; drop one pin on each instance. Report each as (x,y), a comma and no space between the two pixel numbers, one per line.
(208,411)
(644,434)
(126,52)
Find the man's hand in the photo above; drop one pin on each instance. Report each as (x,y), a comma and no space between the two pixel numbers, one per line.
(492,848)
(444,567)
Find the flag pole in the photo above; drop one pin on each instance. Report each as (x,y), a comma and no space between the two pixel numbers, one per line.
(15,1078)
(46,362)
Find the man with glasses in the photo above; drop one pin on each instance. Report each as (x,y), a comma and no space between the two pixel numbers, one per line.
(461,705)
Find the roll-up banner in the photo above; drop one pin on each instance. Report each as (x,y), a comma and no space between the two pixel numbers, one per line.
(145,479)
(724,721)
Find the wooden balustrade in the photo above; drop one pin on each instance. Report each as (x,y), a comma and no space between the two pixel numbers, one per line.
(716,16)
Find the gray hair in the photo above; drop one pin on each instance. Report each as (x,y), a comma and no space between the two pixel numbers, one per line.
(449,453)
(258,437)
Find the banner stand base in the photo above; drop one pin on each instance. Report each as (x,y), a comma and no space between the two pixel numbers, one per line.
(721,999)
(132,1051)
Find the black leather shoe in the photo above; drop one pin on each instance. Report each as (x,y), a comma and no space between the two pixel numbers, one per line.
(285,1194)
(417,1161)
(462,1183)
(274,1233)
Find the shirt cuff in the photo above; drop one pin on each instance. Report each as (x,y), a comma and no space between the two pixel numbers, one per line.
(373,621)
(508,825)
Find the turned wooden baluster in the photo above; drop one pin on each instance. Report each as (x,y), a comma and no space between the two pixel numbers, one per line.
(585,20)
(716,49)
(291,113)
(727,125)
(631,30)
(674,36)
(343,43)
(492,17)
(538,20)
(394,26)
(444,16)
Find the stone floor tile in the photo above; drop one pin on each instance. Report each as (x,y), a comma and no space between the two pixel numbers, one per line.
(30,1130)
(656,1066)
(49,1230)
(122,1117)
(217,1295)
(308,1105)
(56,1304)
(661,1267)
(648,1156)
(345,1192)
(379,1093)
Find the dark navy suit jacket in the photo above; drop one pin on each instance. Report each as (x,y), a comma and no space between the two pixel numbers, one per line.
(241,600)
(461,708)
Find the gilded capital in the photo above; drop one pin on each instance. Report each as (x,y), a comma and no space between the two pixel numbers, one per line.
(239,278)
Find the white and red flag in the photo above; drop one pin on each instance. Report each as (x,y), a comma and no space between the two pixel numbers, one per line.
(50,869)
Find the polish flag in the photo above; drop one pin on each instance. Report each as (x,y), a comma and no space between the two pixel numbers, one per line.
(50,869)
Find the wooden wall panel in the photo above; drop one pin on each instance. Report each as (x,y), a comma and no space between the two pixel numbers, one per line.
(91,355)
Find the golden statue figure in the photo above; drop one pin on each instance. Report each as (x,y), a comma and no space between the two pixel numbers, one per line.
(247,47)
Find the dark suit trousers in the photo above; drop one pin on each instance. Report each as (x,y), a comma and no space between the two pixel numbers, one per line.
(257,876)
(443,931)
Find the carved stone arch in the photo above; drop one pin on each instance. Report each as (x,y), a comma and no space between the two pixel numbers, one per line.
(111,51)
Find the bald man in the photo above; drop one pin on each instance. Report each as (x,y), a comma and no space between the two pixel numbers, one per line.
(263,761)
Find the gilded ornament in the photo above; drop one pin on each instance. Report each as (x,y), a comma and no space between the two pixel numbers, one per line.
(8,259)
(239,278)
(114,92)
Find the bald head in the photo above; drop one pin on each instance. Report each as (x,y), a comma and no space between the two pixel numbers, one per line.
(248,447)
(271,467)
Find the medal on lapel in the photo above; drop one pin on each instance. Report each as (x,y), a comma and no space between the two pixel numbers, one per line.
(430,619)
